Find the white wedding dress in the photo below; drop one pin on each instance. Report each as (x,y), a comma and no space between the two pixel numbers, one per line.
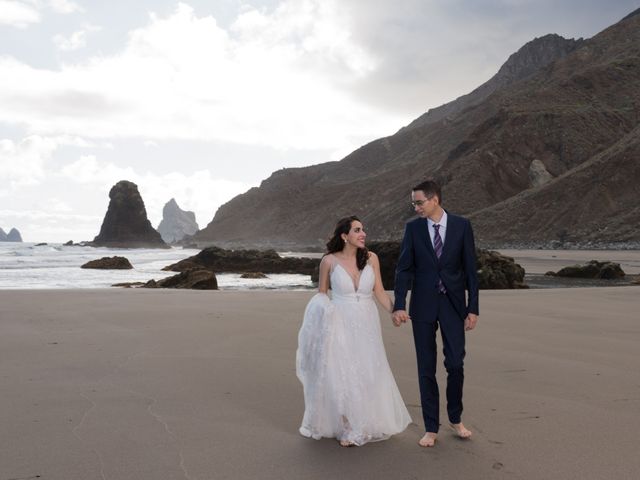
(349,390)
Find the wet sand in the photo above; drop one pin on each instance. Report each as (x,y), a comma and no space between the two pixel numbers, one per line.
(152,384)
(542,261)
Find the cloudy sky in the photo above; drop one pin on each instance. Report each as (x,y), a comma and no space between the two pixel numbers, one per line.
(201,100)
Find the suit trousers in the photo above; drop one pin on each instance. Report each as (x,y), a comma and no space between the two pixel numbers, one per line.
(453,341)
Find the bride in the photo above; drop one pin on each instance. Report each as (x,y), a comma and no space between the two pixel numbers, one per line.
(349,391)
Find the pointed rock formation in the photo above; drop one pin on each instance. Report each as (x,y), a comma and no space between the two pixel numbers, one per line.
(126,225)
(176,223)
(12,236)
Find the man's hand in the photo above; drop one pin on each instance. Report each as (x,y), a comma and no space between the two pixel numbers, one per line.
(470,321)
(399,317)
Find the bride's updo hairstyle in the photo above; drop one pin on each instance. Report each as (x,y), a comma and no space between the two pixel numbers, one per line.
(336,244)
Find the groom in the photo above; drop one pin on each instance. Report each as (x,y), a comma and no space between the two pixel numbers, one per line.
(438,263)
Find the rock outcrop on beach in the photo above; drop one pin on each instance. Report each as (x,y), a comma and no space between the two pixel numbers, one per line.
(548,156)
(498,272)
(495,271)
(220,260)
(176,223)
(194,279)
(126,224)
(109,263)
(592,269)
(12,236)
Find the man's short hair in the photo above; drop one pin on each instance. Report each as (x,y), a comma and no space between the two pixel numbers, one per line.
(430,188)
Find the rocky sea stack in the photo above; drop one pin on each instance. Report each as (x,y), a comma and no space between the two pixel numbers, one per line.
(126,224)
(176,223)
(12,236)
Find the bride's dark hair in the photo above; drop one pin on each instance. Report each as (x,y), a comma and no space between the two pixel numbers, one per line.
(336,244)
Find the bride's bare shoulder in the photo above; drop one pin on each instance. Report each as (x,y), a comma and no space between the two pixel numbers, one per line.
(373,258)
(327,259)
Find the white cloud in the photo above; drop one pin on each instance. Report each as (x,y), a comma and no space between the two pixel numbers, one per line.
(65,6)
(76,40)
(199,191)
(279,79)
(17,14)
(22,163)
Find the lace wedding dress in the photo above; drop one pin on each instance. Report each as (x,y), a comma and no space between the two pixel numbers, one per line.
(349,390)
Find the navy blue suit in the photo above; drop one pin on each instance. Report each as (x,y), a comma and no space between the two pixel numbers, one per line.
(420,270)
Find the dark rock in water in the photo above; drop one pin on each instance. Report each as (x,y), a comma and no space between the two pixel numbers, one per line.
(497,271)
(43,244)
(68,244)
(109,263)
(126,225)
(253,275)
(129,284)
(592,269)
(268,261)
(176,223)
(196,279)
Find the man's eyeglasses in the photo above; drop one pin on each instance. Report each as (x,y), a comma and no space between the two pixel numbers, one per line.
(419,203)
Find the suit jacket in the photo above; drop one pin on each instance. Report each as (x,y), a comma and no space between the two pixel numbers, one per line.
(420,270)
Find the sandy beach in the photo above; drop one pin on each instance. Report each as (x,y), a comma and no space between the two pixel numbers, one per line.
(542,261)
(147,384)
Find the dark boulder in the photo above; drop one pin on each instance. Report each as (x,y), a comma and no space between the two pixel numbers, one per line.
(109,263)
(126,224)
(253,275)
(592,269)
(196,279)
(497,271)
(129,284)
(268,261)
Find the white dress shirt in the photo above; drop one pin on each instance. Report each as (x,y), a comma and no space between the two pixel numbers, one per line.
(443,228)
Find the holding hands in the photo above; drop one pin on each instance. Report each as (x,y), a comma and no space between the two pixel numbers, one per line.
(399,317)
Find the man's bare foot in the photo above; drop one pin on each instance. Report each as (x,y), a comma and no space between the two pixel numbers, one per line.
(460,430)
(429,440)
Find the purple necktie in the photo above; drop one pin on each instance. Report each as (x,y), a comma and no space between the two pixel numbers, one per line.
(437,246)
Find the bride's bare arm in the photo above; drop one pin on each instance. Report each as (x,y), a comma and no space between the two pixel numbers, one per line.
(378,288)
(323,280)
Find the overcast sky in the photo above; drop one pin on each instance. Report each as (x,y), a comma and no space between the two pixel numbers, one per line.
(201,100)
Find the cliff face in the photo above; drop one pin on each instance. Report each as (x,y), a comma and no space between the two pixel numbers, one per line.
(534,55)
(125,224)
(176,223)
(12,236)
(527,161)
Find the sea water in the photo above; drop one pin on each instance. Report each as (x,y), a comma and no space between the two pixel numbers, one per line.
(53,265)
